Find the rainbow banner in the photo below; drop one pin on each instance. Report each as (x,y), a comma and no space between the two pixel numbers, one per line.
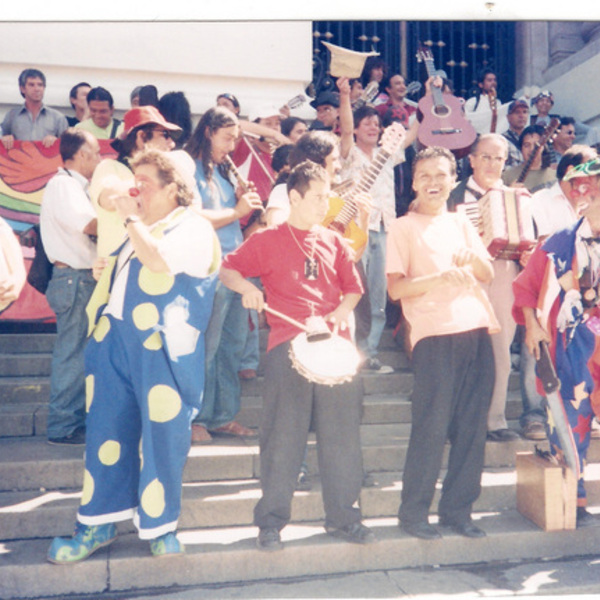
(24,171)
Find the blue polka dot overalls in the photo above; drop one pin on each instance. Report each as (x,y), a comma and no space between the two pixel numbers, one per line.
(143,388)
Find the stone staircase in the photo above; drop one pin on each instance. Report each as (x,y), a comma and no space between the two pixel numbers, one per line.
(40,488)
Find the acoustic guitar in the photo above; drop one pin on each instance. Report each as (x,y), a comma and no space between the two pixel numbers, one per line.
(368,95)
(441,116)
(343,208)
(296,101)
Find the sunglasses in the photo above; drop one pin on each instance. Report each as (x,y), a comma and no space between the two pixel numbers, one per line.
(166,134)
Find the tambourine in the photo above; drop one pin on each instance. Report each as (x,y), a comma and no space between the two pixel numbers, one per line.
(319,355)
(330,361)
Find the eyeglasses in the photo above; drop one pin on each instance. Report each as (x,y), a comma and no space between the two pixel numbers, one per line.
(491,159)
(166,134)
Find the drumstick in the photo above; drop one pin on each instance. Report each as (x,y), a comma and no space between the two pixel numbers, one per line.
(311,334)
(285,317)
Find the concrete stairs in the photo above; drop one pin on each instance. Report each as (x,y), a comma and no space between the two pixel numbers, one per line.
(40,488)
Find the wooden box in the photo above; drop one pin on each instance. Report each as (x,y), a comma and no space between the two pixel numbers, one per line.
(546,493)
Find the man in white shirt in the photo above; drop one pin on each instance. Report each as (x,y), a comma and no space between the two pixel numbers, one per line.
(359,143)
(484,111)
(68,226)
(488,157)
(556,207)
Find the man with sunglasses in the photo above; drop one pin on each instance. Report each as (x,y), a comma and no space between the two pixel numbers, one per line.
(144,128)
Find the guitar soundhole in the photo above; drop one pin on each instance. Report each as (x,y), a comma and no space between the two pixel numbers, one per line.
(337,227)
(441,111)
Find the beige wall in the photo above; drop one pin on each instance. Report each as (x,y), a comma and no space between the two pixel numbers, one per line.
(256,61)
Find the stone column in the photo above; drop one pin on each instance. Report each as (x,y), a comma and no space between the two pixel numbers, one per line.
(532,52)
(565,40)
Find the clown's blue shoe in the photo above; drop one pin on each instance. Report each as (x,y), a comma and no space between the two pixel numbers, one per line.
(166,544)
(85,541)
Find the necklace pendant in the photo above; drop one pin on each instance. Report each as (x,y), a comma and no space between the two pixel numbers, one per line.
(311,269)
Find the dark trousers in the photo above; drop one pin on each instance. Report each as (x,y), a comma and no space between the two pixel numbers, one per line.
(289,403)
(454,379)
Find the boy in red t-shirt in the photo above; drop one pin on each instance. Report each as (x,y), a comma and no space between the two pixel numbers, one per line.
(306,271)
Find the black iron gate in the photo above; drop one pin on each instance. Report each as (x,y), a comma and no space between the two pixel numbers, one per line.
(461,48)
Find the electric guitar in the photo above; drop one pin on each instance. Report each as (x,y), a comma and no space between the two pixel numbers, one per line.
(343,208)
(548,134)
(441,116)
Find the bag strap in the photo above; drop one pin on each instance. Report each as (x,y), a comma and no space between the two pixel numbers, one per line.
(113,131)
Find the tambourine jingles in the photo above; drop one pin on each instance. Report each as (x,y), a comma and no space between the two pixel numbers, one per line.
(329,361)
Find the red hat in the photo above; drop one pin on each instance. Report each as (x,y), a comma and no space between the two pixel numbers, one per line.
(143,115)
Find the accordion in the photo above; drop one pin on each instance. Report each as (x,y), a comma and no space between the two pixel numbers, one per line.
(503,219)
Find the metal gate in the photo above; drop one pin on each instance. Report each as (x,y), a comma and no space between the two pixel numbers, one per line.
(461,48)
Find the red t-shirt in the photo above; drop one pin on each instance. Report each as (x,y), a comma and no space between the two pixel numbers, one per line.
(274,254)
(398,112)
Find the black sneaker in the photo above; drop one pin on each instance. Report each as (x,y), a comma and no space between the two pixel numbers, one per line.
(368,481)
(357,533)
(77,438)
(372,365)
(502,435)
(269,540)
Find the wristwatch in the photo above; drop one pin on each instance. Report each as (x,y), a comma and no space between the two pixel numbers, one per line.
(131,219)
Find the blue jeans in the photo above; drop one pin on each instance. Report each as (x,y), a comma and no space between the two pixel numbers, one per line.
(534,410)
(68,293)
(251,353)
(225,338)
(373,260)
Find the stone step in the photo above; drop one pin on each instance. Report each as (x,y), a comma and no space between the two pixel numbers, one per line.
(31,388)
(38,364)
(31,514)
(25,364)
(32,464)
(227,555)
(19,343)
(26,418)
(28,390)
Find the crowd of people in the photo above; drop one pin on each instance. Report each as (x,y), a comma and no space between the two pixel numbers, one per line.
(166,257)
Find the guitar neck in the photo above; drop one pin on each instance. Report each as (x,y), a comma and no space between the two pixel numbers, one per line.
(364,184)
(438,98)
(527,164)
(429,66)
(548,133)
(494,108)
